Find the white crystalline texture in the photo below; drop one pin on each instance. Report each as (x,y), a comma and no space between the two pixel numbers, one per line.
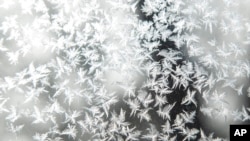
(121,70)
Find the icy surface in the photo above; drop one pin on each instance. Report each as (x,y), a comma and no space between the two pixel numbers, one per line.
(123,70)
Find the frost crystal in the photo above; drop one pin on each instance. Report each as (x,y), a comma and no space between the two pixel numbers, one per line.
(123,70)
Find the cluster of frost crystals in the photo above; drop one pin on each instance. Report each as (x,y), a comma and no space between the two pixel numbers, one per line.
(208,62)
(63,65)
(121,70)
(220,44)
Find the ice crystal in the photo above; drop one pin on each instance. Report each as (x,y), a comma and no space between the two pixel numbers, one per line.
(121,70)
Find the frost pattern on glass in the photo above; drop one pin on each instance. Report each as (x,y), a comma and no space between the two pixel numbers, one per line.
(123,70)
